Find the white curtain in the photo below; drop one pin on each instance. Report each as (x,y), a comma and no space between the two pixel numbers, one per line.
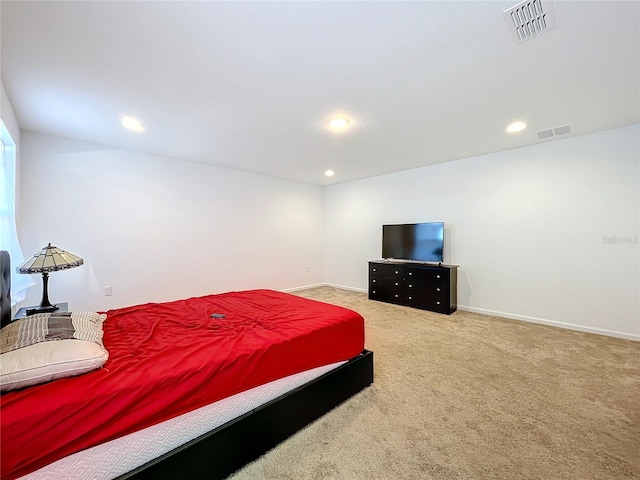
(8,232)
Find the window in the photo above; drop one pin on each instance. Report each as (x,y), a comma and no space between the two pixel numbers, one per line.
(8,232)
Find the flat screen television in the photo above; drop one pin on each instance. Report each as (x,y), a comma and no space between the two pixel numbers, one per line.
(423,242)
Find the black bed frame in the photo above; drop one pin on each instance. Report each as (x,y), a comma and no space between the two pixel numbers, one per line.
(219,453)
(222,451)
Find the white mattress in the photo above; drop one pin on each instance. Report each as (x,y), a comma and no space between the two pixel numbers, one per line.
(119,456)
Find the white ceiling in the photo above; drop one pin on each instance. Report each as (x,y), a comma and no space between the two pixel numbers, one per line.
(250,85)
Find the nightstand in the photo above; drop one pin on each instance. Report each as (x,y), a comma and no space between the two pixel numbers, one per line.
(62,308)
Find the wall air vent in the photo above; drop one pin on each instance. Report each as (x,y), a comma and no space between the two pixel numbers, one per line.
(529,19)
(554,132)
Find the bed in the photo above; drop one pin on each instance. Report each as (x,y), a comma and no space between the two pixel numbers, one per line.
(194,388)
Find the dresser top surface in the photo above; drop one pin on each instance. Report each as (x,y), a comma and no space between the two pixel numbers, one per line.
(412,263)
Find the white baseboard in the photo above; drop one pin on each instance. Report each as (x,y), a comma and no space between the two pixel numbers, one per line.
(553,323)
(512,316)
(344,287)
(305,287)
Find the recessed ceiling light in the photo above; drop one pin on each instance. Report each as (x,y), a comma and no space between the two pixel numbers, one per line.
(339,123)
(132,123)
(329,173)
(516,127)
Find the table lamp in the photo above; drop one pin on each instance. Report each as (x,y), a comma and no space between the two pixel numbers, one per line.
(49,259)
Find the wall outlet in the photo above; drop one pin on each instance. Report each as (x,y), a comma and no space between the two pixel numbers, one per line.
(108,291)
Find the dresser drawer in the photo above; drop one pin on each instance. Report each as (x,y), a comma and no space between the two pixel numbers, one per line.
(436,303)
(391,296)
(385,283)
(425,288)
(384,270)
(430,275)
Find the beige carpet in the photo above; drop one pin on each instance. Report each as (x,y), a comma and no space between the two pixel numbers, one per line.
(470,396)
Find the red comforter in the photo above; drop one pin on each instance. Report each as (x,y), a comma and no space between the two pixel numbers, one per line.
(167,359)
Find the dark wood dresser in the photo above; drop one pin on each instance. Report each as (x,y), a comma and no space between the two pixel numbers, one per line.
(418,285)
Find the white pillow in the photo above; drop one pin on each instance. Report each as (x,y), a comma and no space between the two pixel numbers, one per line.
(47,361)
(45,347)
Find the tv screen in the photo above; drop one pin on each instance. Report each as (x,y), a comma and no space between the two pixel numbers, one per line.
(416,241)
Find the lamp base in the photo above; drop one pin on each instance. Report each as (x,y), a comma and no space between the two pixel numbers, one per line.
(41,309)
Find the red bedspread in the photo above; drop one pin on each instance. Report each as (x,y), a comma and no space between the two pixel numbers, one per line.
(167,359)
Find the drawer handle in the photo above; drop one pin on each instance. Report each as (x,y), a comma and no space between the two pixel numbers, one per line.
(437,303)
(437,276)
(373,281)
(437,289)
(375,270)
(410,298)
(373,291)
(410,286)
(396,295)
(396,284)
(410,273)
(396,272)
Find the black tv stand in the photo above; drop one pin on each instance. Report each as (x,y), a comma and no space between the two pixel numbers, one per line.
(413,284)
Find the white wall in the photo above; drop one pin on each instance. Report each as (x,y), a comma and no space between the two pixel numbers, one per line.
(158,229)
(547,233)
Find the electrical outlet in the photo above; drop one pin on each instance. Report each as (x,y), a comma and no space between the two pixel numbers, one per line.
(108,291)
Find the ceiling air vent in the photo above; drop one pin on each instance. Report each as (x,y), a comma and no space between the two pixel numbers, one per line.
(530,18)
(548,133)
(554,132)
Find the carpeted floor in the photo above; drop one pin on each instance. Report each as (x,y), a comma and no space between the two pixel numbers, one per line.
(470,396)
